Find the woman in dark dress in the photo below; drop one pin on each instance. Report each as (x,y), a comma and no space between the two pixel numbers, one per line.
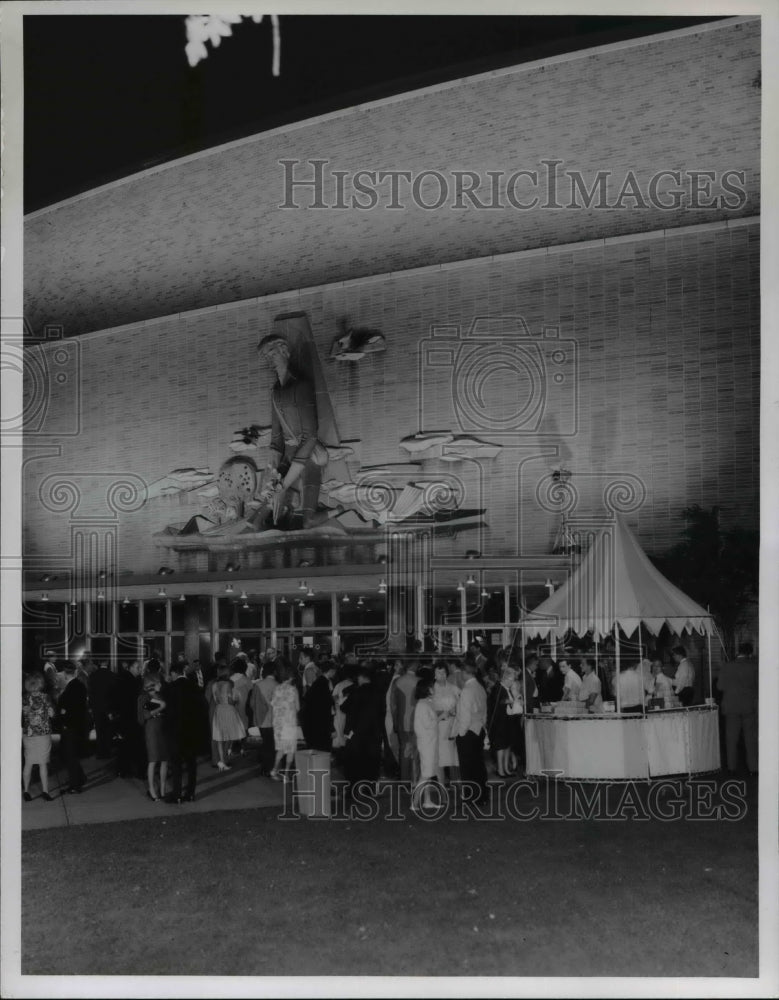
(151,709)
(499,723)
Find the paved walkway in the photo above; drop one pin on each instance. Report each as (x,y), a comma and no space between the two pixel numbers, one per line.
(108,799)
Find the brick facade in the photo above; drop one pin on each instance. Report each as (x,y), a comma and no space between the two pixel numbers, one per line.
(667,335)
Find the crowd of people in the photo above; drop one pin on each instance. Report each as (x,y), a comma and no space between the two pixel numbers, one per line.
(422,719)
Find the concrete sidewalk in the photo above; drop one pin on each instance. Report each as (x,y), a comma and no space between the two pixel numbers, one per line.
(108,799)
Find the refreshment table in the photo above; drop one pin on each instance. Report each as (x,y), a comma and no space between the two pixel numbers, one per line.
(611,746)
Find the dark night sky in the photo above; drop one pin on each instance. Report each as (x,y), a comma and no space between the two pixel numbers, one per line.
(108,95)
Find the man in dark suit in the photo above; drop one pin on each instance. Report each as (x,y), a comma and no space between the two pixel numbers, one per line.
(738,682)
(131,758)
(72,721)
(184,718)
(102,694)
(198,676)
(364,709)
(317,713)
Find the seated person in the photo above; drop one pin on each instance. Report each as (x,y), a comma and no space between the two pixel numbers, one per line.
(590,689)
(629,685)
(571,680)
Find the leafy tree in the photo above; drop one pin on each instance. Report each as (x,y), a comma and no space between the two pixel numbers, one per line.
(717,567)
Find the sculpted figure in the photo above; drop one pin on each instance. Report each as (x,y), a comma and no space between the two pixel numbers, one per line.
(296,454)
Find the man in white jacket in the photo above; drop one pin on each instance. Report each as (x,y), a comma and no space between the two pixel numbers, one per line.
(469,726)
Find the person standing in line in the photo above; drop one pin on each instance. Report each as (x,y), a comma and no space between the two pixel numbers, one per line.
(241,688)
(470,723)
(198,678)
(738,682)
(286,708)
(364,710)
(151,709)
(102,696)
(446,694)
(341,689)
(222,674)
(403,716)
(227,725)
(50,674)
(72,716)
(426,733)
(37,713)
(183,715)
(392,761)
(499,701)
(131,756)
(684,680)
(317,714)
(195,675)
(262,710)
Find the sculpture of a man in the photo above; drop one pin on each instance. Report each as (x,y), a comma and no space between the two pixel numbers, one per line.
(296,454)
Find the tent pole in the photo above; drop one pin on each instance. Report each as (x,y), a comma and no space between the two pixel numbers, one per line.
(524,685)
(708,647)
(616,672)
(641,669)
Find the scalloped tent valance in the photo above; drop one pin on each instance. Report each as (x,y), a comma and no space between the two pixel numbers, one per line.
(616,584)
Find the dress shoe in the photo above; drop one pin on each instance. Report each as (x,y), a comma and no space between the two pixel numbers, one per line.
(27,797)
(74,791)
(47,798)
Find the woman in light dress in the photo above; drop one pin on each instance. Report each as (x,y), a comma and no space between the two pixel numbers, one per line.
(227,726)
(286,708)
(426,733)
(340,692)
(37,713)
(389,721)
(241,689)
(446,694)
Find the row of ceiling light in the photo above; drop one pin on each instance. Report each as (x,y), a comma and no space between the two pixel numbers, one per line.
(303,586)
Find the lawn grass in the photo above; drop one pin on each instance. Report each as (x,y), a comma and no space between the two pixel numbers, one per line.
(243,893)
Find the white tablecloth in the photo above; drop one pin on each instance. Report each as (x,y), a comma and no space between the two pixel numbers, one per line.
(683,742)
(589,748)
(600,747)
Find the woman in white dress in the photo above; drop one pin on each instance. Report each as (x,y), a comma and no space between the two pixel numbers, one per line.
(241,690)
(340,692)
(389,721)
(446,694)
(426,732)
(286,707)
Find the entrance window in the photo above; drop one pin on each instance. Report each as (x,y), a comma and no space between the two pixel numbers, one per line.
(101,621)
(155,618)
(128,618)
(191,613)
